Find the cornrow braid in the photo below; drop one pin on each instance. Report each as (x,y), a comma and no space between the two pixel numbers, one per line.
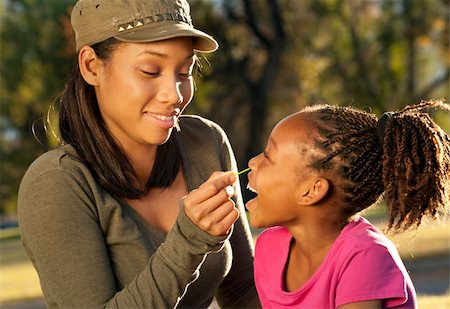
(416,166)
(410,161)
(352,151)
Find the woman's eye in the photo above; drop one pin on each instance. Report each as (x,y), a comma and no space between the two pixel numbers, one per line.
(151,74)
(265,154)
(185,76)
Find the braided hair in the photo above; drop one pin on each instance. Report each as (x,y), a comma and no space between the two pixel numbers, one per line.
(404,157)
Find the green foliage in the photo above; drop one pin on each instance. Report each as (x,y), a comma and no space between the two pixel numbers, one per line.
(382,54)
(36,52)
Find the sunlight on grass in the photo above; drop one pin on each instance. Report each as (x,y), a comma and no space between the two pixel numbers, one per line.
(432,237)
(434,301)
(18,281)
(429,239)
(18,278)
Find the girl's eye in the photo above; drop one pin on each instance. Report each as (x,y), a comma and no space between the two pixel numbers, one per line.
(265,154)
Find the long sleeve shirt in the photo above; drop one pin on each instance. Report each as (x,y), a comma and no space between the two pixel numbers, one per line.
(92,250)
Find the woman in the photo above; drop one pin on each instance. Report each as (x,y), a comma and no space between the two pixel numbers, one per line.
(111,218)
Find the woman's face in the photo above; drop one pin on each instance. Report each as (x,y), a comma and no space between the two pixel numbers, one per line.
(280,174)
(143,88)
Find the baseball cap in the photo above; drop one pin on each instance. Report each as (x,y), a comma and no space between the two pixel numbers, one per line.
(94,21)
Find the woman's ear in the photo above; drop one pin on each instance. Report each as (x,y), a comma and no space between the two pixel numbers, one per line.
(89,65)
(315,192)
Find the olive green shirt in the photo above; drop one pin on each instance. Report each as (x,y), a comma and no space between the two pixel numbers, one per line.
(91,250)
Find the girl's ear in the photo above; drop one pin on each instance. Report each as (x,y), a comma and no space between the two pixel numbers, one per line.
(315,192)
(89,65)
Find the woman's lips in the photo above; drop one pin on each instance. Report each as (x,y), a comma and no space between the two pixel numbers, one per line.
(163,121)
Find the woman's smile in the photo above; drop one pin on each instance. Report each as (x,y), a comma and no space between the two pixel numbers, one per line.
(165,121)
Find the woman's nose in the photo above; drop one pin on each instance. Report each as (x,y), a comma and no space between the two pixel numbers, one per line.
(169,91)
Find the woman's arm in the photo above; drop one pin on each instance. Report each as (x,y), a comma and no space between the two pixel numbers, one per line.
(61,232)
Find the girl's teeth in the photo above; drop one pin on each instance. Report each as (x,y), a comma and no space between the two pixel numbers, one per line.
(251,189)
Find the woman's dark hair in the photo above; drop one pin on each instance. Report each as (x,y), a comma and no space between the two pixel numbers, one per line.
(81,125)
(409,162)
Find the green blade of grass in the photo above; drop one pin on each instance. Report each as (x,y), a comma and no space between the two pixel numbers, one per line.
(243,171)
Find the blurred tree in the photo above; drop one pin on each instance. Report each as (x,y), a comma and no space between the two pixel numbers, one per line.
(384,54)
(36,51)
(275,57)
(278,56)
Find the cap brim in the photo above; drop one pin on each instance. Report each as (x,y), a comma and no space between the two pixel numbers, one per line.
(154,32)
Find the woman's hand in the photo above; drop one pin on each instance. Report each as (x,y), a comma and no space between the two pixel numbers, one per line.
(210,206)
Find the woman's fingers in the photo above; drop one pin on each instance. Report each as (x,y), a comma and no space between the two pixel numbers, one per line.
(201,207)
(222,218)
(210,206)
(211,188)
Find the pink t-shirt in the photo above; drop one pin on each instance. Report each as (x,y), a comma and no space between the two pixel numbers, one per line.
(361,265)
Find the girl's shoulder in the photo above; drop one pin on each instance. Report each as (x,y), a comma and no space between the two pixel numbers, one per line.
(363,235)
(272,244)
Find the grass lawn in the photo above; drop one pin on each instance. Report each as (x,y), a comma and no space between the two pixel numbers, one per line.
(430,239)
(19,281)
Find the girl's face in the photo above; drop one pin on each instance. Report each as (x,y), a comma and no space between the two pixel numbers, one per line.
(143,88)
(280,174)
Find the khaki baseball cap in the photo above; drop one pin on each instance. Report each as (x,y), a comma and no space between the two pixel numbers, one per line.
(136,21)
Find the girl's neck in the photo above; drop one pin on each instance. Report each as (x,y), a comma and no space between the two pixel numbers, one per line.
(315,238)
(308,249)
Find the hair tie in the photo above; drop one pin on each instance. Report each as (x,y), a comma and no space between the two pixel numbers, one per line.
(381,125)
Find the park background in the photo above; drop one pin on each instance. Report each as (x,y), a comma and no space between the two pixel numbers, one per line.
(275,57)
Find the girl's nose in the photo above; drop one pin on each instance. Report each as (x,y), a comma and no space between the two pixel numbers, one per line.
(252,163)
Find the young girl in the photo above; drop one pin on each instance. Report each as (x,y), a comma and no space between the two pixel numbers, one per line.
(100,216)
(321,167)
